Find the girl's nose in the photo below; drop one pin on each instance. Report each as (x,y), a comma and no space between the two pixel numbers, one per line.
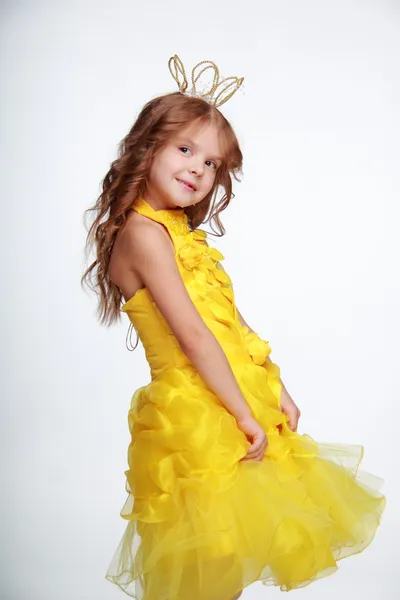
(198,170)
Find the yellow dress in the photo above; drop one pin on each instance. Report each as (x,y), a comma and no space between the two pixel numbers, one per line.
(201,525)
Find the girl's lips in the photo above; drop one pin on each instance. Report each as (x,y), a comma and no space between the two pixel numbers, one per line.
(186,186)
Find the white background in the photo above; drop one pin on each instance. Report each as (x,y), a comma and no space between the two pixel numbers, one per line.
(312,247)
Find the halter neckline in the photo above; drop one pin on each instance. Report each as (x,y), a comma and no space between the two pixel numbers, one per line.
(174,218)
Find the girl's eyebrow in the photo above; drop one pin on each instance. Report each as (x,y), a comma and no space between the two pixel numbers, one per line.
(192,143)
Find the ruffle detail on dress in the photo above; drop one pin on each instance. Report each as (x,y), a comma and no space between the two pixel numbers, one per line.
(179,444)
(208,277)
(204,525)
(199,234)
(195,253)
(258,348)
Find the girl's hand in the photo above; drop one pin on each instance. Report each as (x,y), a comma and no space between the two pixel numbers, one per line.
(256,435)
(290,409)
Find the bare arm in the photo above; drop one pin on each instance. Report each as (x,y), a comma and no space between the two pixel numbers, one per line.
(153,258)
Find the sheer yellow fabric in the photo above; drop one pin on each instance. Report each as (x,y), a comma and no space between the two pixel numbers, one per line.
(201,524)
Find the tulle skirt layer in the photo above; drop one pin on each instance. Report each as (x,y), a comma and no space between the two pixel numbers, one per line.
(203,525)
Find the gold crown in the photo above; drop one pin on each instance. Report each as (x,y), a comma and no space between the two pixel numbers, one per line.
(219,87)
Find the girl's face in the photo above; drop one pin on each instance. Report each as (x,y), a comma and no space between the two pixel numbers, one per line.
(192,156)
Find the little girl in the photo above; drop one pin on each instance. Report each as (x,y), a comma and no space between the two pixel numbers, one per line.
(222,490)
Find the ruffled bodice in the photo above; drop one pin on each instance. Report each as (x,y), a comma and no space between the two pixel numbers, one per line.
(210,289)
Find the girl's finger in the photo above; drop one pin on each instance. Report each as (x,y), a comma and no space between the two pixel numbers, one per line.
(257,457)
(253,449)
(255,446)
(259,452)
(293,423)
(251,455)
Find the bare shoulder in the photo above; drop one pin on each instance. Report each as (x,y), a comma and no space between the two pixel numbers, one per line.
(149,254)
(138,231)
(126,254)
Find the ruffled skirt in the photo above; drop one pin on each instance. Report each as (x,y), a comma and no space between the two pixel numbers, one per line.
(202,525)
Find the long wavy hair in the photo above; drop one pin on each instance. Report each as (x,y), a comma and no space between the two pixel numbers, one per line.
(126,179)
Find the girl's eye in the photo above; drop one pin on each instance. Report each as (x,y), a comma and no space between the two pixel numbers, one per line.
(211,161)
(182,148)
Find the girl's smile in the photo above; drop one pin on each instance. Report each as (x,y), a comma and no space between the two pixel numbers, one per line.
(191,158)
(187,185)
